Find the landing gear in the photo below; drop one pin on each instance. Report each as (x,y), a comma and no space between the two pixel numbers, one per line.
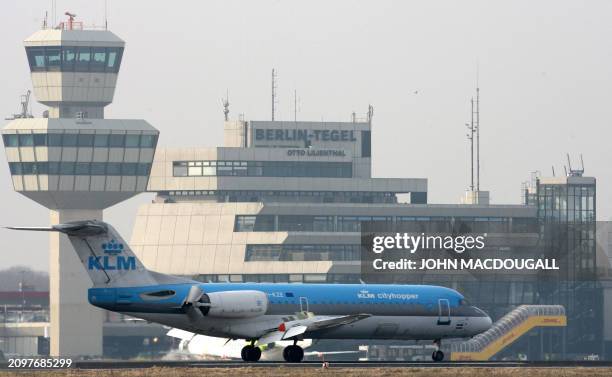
(250,353)
(437,355)
(293,354)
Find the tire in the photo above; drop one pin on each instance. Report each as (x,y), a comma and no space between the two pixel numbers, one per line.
(437,356)
(250,353)
(293,354)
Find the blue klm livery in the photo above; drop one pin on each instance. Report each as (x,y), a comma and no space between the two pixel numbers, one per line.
(266,313)
(112,248)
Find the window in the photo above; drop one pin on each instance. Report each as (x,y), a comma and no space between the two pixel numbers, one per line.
(147,141)
(69,140)
(40,140)
(366,144)
(68,58)
(26,140)
(83,59)
(101,141)
(143,169)
(98,168)
(117,140)
(85,140)
(113,168)
(36,58)
(132,141)
(128,169)
(10,140)
(266,169)
(66,168)
(74,59)
(54,58)
(55,140)
(98,59)
(82,168)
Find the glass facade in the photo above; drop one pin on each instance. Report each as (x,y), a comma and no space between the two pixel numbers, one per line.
(568,212)
(246,196)
(80,168)
(306,223)
(262,169)
(294,253)
(74,59)
(80,140)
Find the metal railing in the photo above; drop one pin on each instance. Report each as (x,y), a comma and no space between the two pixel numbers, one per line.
(505,325)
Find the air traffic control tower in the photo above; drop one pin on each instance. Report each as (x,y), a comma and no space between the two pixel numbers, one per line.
(75,162)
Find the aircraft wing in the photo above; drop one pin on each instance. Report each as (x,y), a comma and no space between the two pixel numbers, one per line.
(292,329)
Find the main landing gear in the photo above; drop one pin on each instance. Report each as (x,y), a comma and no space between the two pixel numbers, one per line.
(294,353)
(437,355)
(250,353)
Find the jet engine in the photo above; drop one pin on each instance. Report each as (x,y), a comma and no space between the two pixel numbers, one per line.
(228,304)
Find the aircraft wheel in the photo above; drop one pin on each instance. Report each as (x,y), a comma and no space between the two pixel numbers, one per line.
(250,353)
(437,355)
(293,354)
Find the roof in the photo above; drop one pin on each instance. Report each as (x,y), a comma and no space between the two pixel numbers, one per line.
(55,37)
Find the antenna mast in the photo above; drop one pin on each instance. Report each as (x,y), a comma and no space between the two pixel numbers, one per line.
(273,93)
(477,127)
(225,102)
(470,136)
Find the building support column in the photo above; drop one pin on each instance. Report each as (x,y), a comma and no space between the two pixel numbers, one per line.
(76,325)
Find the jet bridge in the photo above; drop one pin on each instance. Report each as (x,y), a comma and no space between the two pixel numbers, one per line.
(508,329)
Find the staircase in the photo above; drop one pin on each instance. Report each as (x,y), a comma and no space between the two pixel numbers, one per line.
(508,329)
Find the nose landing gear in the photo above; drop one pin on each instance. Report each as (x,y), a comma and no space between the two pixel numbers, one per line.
(250,353)
(437,355)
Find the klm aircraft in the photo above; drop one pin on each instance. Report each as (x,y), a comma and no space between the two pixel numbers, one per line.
(266,313)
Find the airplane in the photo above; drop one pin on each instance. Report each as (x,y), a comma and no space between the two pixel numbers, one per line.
(263,313)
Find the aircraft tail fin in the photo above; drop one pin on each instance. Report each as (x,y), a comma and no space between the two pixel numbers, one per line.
(107,258)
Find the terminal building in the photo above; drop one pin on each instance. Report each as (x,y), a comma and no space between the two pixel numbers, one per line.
(280,201)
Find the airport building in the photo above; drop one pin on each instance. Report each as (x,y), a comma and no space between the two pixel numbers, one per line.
(280,201)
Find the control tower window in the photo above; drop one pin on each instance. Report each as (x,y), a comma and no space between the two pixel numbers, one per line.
(68,58)
(83,58)
(74,59)
(36,58)
(98,61)
(54,58)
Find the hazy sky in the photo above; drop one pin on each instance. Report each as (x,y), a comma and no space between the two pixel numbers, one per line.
(545,77)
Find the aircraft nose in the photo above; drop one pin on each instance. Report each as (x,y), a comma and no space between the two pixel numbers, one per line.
(484,322)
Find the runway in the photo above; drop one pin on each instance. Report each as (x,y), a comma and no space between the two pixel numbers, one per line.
(115,364)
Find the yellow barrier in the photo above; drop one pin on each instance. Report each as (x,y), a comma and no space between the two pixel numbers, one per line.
(508,338)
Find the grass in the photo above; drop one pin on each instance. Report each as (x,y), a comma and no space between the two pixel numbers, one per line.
(304,372)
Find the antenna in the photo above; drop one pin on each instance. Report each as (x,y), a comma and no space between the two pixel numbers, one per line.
(24,107)
(294,105)
(370,113)
(581,162)
(225,102)
(44,25)
(477,126)
(553,170)
(470,136)
(105,14)
(273,93)
(569,163)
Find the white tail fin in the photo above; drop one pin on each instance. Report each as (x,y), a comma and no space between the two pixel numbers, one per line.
(108,259)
